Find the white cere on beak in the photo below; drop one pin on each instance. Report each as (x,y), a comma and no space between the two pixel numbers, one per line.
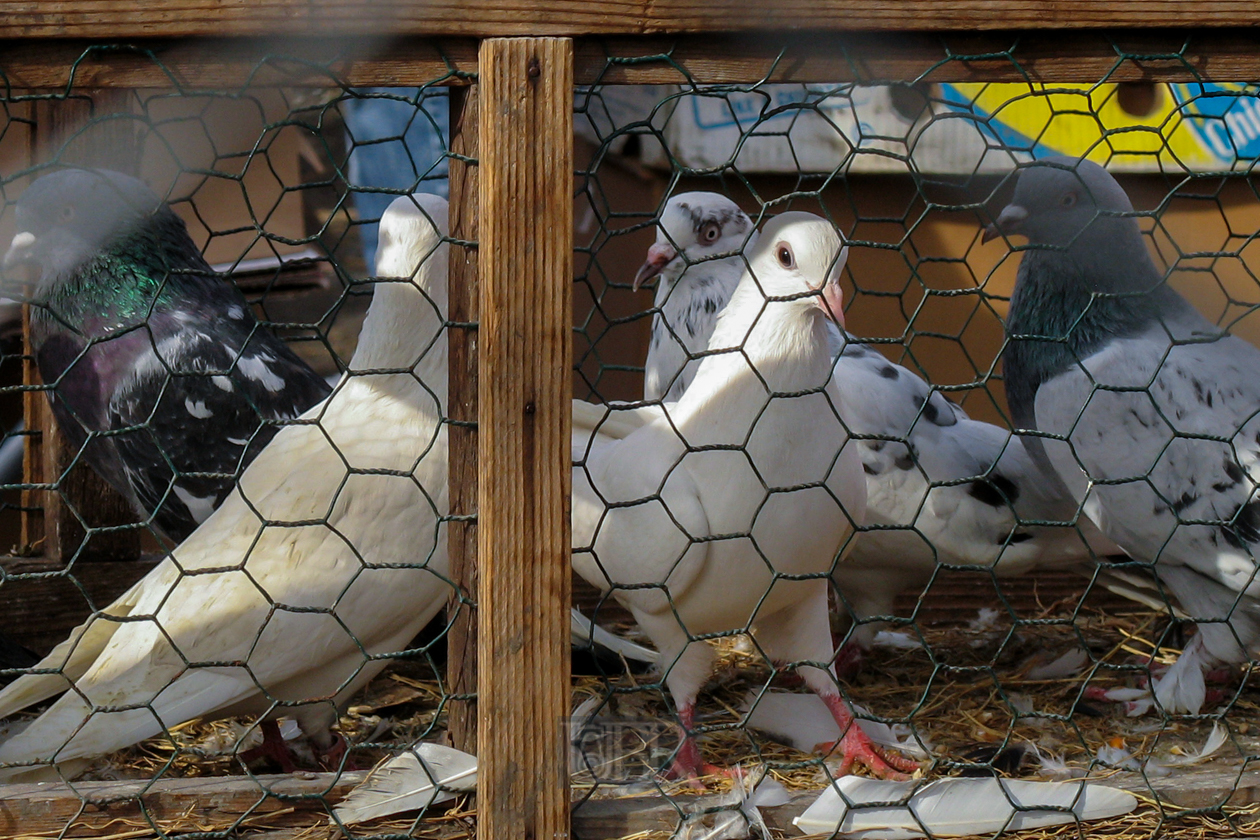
(18,248)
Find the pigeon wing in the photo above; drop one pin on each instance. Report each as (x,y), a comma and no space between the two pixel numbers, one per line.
(1173,431)
(196,410)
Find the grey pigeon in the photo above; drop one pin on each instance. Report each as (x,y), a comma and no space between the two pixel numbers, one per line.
(940,486)
(1148,410)
(702,236)
(158,370)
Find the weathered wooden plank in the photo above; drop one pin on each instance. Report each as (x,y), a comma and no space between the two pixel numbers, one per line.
(1034,56)
(41,601)
(461,639)
(98,809)
(501,18)
(222,63)
(35,409)
(633,816)
(72,131)
(525,223)
(731,58)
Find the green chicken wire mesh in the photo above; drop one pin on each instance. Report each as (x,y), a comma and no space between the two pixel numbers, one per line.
(982,658)
(972,663)
(234,249)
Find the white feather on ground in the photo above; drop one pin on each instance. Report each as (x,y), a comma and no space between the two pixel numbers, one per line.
(424,775)
(857,807)
(736,815)
(205,638)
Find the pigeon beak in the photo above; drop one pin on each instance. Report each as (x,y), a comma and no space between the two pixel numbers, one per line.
(658,256)
(1007,222)
(19,252)
(831,301)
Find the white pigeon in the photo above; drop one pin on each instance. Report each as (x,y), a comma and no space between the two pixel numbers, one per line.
(328,557)
(940,486)
(704,240)
(1150,414)
(726,512)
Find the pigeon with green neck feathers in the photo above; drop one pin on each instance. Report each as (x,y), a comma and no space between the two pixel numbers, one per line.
(157,370)
(1149,413)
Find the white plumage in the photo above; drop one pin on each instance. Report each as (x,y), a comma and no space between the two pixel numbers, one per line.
(426,774)
(692,518)
(265,604)
(940,486)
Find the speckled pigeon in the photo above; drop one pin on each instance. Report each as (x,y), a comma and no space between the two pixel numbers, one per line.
(1151,413)
(158,369)
(700,237)
(940,486)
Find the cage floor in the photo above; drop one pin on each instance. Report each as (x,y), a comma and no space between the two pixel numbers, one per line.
(966,691)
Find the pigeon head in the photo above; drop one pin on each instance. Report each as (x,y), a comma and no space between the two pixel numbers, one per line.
(1082,219)
(412,228)
(69,217)
(1059,199)
(798,260)
(695,226)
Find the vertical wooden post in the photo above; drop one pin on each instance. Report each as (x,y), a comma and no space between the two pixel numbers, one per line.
(49,458)
(461,639)
(525,154)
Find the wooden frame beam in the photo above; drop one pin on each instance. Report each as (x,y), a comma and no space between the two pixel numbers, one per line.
(497,18)
(1039,56)
(525,384)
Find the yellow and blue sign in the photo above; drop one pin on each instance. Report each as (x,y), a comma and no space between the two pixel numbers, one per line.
(1197,127)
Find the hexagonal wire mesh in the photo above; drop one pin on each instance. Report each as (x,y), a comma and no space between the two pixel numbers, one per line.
(983,625)
(211,302)
(993,663)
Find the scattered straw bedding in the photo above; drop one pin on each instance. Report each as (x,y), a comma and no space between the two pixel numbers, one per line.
(962,691)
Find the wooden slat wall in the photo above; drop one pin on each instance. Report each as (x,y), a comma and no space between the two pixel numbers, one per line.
(500,18)
(461,640)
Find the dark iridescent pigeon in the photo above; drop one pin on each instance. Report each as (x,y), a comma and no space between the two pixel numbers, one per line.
(158,369)
(1157,408)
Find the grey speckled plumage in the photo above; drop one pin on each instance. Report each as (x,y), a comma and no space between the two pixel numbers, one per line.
(1149,397)
(940,486)
(157,367)
(701,241)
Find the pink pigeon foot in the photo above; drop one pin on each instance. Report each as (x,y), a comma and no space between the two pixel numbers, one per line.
(687,765)
(856,747)
(334,757)
(272,747)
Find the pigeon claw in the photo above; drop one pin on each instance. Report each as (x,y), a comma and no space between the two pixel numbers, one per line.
(690,769)
(272,747)
(856,749)
(334,757)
